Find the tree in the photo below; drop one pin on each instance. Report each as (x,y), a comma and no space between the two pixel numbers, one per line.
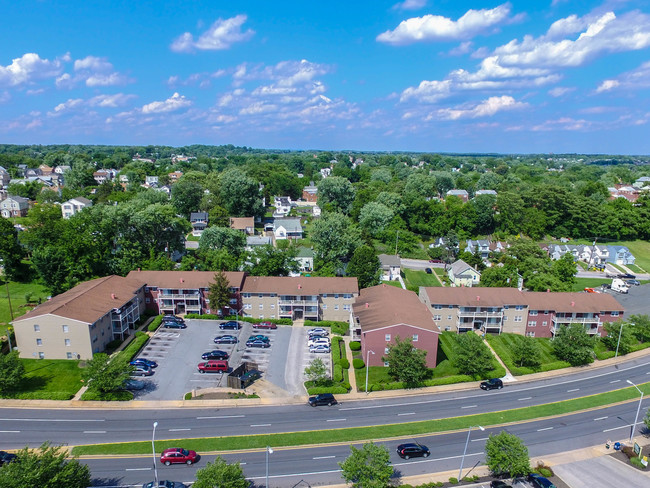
(45,467)
(646,419)
(220,474)
(406,363)
(573,344)
(527,352)
(335,238)
(368,467)
(616,330)
(641,327)
(11,251)
(473,357)
(374,217)
(565,270)
(240,194)
(186,196)
(336,193)
(232,240)
(219,292)
(12,371)
(316,371)
(365,266)
(104,375)
(506,455)
(270,261)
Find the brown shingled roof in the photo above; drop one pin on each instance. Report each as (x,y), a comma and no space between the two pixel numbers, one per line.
(384,305)
(241,223)
(89,301)
(185,279)
(300,285)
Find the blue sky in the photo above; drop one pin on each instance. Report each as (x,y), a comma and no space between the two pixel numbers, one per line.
(417,75)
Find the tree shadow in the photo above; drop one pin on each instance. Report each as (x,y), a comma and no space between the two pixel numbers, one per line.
(106,481)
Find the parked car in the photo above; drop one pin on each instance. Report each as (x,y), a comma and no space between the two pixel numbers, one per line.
(440,261)
(633,282)
(213,366)
(429,270)
(492,384)
(318,331)
(215,354)
(145,362)
(499,484)
(164,484)
(231,324)
(591,290)
(225,339)
(265,325)
(134,385)
(177,455)
(627,276)
(141,370)
(7,457)
(172,324)
(260,337)
(322,399)
(258,343)
(538,481)
(173,318)
(320,348)
(606,286)
(319,341)
(406,451)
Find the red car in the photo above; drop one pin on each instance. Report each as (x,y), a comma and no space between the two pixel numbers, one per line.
(265,325)
(213,366)
(176,455)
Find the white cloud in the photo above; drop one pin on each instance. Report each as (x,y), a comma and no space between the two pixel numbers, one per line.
(563,123)
(221,35)
(558,91)
(636,79)
(175,102)
(486,108)
(203,79)
(93,71)
(93,63)
(410,5)
(102,101)
(438,28)
(27,69)
(608,85)
(462,48)
(64,81)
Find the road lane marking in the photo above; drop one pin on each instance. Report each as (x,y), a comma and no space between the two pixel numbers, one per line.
(480,439)
(324,457)
(409,413)
(177,430)
(545,428)
(260,425)
(616,428)
(600,418)
(54,420)
(336,420)
(469,406)
(575,389)
(137,469)
(9,431)
(525,398)
(615,381)
(94,432)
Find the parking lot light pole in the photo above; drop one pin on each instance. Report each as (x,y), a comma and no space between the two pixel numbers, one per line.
(367,367)
(637,410)
(153,450)
(462,460)
(269,450)
(620,331)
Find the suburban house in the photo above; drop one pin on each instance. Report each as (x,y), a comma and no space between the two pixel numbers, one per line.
(305,258)
(245,224)
(485,192)
(642,183)
(151,181)
(390,266)
(14,207)
(61,169)
(303,297)
(462,194)
(442,242)
(462,274)
(483,246)
(174,176)
(630,193)
(182,292)
(382,313)
(287,228)
(325,172)
(254,241)
(5,177)
(282,206)
(535,314)
(74,206)
(310,193)
(82,321)
(104,175)
(199,221)
(620,255)
(592,254)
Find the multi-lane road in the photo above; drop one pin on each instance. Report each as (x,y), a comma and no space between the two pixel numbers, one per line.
(20,427)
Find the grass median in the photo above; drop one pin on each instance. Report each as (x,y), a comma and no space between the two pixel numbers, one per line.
(353,434)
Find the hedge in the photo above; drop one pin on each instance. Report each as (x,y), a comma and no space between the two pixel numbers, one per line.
(155,323)
(340,328)
(130,351)
(358,363)
(336,349)
(318,390)
(355,346)
(345,364)
(337,375)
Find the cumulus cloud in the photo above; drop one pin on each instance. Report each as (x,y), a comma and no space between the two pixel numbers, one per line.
(438,28)
(410,5)
(175,102)
(222,34)
(558,91)
(27,69)
(635,79)
(93,71)
(203,79)
(486,108)
(462,48)
(101,101)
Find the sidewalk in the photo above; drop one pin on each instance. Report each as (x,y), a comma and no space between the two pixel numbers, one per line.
(352,377)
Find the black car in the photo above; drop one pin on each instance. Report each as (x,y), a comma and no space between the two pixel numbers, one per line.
(499,484)
(322,399)
(225,339)
(406,451)
(172,318)
(627,276)
(231,324)
(538,481)
(258,343)
(172,324)
(216,354)
(145,362)
(6,457)
(164,484)
(492,384)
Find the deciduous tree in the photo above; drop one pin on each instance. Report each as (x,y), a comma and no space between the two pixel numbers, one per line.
(473,357)
(186,196)
(104,374)
(240,194)
(316,371)
(406,363)
(232,240)
(220,474)
(506,455)
(374,217)
(335,238)
(573,344)
(12,372)
(336,193)
(365,266)
(527,352)
(616,330)
(368,467)
(11,251)
(270,261)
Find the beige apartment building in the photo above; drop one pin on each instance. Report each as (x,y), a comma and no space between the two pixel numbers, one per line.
(82,321)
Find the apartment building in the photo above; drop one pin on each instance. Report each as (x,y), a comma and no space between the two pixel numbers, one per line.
(82,321)
(536,314)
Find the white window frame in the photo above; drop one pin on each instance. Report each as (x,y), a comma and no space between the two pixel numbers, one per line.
(387,337)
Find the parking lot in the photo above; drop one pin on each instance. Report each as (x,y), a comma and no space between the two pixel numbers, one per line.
(178,352)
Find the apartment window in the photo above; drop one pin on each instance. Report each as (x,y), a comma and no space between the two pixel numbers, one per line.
(545,312)
(336,295)
(146,288)
(233,301)
(615,313)
(39,342)
(532,313)
(41,355)
(260,295)
(94,339)
(437,317)
(147,300)
(336,307)
(347,307)
(518,318)
(65,329)
(506,307)
(531,333)
(246,295)
(437,307)
(532,323)
(544,323)
(324,306)
(448,317)
(261,306)
(68,355)
(519,307)
(505,317)
(451,306)
(324,295)
(261,316)
(387,337)
(386,364)
(347,296)
(386,350)
(273,306)
(273,316)
(248,306)
(448,328)
(67,342)
(37,328)
(415,337)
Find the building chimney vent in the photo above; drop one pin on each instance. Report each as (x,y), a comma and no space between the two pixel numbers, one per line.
(182,280)
(573,304)
(367,305)
(113,296)
(478,298)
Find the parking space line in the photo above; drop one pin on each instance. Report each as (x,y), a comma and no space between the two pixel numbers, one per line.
(545,428)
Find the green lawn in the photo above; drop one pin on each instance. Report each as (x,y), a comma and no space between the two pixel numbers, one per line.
(582,283)
(17,292)
(504,344)
(49,379)
(420,278)
(641,251)
(634,268)
(392,283)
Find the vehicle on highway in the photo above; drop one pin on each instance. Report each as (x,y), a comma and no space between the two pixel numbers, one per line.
(318,331)
(265,325)
(231,324)
(213,366)
(172,324)
(215,354)
(134,385)
(320,348)
(177,455)
(626,276)
(322,399)
(406,451)
(164,484)
(633,282)
(538,481)
(428,270)
(7,457)
(320,341)
(225,339)
(258,343)
(492,384)
(141,370)
(145,362)
(499,484)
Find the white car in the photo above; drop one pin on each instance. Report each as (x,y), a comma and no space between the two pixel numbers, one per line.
(318,331)
(320,348)
(318,342)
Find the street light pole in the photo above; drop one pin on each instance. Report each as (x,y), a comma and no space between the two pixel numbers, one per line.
(153,450)
(620,331)
(462,461)
(368,359)
(637,410)
(269,450)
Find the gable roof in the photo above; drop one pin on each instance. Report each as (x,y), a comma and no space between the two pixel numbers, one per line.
(198,216)
(300,285)
(184,279)
(242,223)
(460,266)
(290,225)
(383,306)
(389,260)
(81,200)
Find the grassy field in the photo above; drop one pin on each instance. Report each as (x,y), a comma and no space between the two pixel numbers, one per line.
(49,379)
(420,278)
(504,345)
(392,283)
(17,292)
(582,283)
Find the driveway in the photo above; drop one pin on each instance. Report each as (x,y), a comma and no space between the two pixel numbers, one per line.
(601,471)
(635,301)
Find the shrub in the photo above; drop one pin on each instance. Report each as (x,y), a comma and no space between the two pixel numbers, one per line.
(337,373)
(188,396)
(155,323)
(628,451)
(327,389)
(544,470)
(355,346)
(453,481)
(340,328)
(358,363)
(637,462)
(345,363)
(336,349)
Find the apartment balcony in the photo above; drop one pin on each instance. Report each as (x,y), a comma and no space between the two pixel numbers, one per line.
(298,303)
(590,328)
(579,320)
(482,315)
(178,296)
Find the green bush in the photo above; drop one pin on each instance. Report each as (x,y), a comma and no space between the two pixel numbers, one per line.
(345,363)
(355,346)
(453,481)
(328,389)
(130,351)
(155,323)
(358,363)
(113,396)
(637,462)
(336,349)
(337,373)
